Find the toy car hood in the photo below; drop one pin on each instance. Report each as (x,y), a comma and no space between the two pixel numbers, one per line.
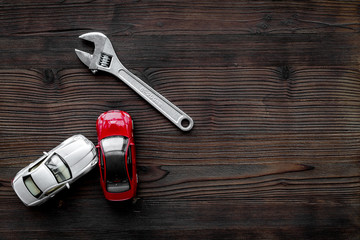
(77,155)
(113,123)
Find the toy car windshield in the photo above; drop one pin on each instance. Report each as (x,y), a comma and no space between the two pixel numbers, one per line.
(58,167)
(115,143)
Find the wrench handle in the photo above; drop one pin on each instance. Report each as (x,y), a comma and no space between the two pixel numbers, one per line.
(168,109)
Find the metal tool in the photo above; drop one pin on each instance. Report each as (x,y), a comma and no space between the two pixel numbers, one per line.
(104,58)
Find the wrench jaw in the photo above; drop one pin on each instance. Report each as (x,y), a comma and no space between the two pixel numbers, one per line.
(84,57)
(103,56)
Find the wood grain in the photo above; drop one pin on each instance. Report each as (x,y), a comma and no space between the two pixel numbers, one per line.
(273,88)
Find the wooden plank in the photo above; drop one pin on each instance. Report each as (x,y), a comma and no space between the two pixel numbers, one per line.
(148,219)
(175,17)
(313,109)
(190,51)
(175,34)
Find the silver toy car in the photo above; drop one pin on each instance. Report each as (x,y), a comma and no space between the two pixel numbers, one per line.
(55,170)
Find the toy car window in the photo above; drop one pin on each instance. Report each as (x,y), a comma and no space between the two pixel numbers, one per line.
(53,189)
(100,157)
(58,167)
(129,162)
(101,163)
(36,166)
(31,186)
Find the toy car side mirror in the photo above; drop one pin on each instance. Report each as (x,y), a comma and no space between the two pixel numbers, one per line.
(97,146)
(67,185)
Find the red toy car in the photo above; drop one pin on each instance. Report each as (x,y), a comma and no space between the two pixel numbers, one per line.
(116,149)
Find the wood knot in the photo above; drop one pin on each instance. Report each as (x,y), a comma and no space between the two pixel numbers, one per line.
(267,17)
(285,72)
(49,76)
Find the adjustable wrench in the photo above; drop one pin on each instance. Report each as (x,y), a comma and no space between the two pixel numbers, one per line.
(104,58)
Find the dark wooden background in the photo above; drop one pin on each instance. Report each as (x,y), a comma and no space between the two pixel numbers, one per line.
(273,88)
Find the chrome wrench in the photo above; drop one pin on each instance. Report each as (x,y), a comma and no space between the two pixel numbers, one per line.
(104,58)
